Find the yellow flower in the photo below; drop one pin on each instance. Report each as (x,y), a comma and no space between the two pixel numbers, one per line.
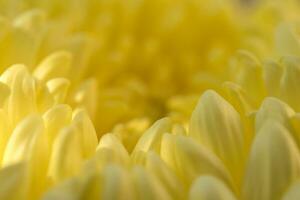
(149,99)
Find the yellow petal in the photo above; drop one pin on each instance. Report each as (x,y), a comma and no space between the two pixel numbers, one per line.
(217,125)
(274,163)
(165,175)
(293,193)
(190,160)
(13,182)
(272,74)
(274,109)
(290,81)
(210,188)
(117,184)
(88,135)
(66,158)
(55,65)
(151,139)
(86,96)
(56,119)
(22,98)
(21,144)
(147,186)
(58,88)
(110,141)
(31,20)
(4,93)
(28,142)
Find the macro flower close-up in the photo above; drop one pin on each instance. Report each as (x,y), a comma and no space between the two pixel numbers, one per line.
(150,99)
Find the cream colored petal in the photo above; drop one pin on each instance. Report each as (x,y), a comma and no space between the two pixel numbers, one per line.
(31,21)
(110,141)
(238,98)
(66,158)
(147,186)
(250,75)
(295,121)
(56,118)
(70,189)
(29,142)
(210,188)
(44,99)
(286,40)
(217,125)
(4,132)
(290,81)
(88,135)
(165,175)
(58,87)
(87,96)
(190,160)
(293,193)
(151,139)
(4,93)
(22,98)
(21,144)
(274,109)
(13,182)
(272,74)
(179,129)
(55,65)
(117,184)
(274,163)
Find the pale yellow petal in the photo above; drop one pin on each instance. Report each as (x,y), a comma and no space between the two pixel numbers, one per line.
(165,175)
(274,163)
(13,182)
(151,139)
(58,87)
(210,188)
(88,135)
(274,109)
(56,118)
(217,125)
(293,193)
(190,160)
(55,65)
(147,186)
(290,81)
(66,158)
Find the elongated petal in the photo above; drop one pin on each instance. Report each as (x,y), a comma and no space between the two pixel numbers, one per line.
(88,135)
(273,109)
(13,182)
(110,141)
(147,186)
(210,188)
(56,118)
(151,139)
(190,160)
(21,144)
(4,93)
(22,98)
(165,175)
(117,184)
(66,158)
(293,193)
(272,75)
(217,125)
(290,81)
(58,87)
(55,65)
(273,165)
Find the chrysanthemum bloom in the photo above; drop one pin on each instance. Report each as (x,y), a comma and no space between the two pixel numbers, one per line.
(149,99)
